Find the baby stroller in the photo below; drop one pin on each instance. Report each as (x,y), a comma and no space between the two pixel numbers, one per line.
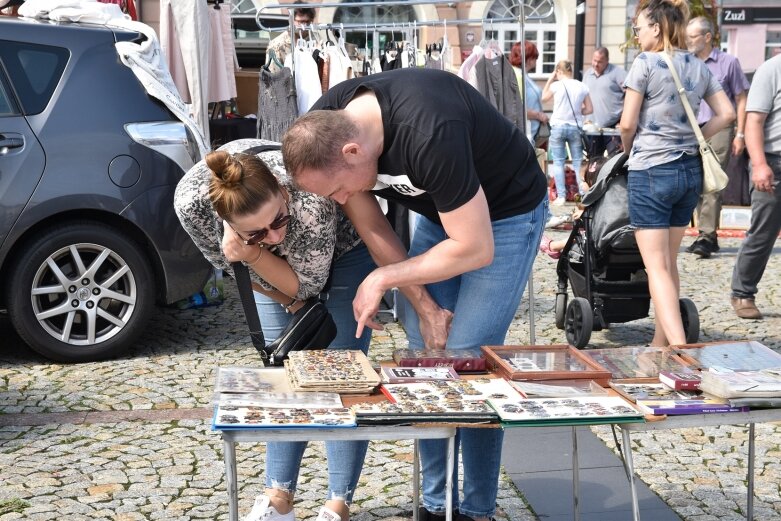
(602,264)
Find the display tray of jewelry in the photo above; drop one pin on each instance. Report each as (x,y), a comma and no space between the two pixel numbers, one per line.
(638,362)
(331,370)
(280,410)
(732,356)
(461,401)
(571,410)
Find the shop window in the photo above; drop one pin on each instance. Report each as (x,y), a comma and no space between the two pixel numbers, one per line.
(541,33)
(34,71)
(772,44)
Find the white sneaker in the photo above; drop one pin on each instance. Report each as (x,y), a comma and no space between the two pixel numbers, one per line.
(326,514)
(559,201)
(263,511)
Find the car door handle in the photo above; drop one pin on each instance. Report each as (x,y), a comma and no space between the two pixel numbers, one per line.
(7,143)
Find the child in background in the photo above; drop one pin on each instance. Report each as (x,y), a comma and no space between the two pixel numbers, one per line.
(553,247)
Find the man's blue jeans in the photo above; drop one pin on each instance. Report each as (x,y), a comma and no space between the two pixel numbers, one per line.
(345,458)
(484,303)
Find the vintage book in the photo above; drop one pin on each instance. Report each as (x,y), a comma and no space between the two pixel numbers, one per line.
(398,375)
(551,362)
(731,356)
(637,362)
(461,360)
(577,409)
(743,384)
(681,381)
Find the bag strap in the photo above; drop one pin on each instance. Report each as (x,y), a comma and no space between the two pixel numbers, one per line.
(241,273)
(244,283)
(686,105)
(572,108)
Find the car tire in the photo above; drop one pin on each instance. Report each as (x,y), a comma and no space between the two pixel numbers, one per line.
(98,303)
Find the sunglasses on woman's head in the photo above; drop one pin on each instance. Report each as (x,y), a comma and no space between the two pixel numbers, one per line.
(257,236)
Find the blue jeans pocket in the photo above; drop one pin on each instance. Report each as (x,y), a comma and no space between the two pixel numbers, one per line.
(665,184)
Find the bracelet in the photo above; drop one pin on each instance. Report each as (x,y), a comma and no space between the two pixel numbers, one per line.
(740,135)
(287,308)
(260,254)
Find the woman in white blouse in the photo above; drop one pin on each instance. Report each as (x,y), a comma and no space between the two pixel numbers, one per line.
(570,102)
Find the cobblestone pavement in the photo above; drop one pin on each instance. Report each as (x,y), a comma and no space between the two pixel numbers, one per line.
(129,439)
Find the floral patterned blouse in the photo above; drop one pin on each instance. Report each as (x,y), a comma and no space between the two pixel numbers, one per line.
(318,233)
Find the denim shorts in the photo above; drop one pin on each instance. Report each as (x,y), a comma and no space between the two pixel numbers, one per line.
(666,195)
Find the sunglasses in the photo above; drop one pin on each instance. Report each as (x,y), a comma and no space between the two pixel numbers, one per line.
(257,236)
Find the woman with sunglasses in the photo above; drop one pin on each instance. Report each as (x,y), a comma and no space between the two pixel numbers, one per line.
(665,170)
(236,209)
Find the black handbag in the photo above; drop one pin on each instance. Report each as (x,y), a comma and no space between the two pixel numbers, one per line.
(311,327)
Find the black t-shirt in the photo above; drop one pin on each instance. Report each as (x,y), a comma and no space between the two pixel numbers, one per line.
(443,140)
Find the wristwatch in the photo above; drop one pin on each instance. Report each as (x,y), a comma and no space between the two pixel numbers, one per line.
(740,135)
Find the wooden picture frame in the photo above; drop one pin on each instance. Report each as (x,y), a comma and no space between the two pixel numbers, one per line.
(552,362)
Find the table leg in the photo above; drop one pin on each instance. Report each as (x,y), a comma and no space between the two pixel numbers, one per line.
(415,479)
(750,492)
(231,480)
(630,467)
(451,456)
(575,476)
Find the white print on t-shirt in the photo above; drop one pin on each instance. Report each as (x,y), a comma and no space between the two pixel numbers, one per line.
(400,183)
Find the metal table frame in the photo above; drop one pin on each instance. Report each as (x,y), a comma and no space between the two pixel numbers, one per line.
(379,432)
(694,421)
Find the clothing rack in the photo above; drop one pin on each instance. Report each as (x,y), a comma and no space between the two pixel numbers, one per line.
(521,19)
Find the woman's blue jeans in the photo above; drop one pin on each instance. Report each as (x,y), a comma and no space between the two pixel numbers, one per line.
(484,303)
(562,135)
(345,458)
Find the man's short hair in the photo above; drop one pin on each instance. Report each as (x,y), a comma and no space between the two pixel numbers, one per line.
(604,52)
(309,12)
(704,24)
(315,141)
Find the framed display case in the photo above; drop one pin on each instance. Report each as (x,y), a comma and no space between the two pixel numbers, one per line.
(554,362)
(638,363)
(735,356)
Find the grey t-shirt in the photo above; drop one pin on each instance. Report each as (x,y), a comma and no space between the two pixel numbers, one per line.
(607,94)
(663,131)
(765,96)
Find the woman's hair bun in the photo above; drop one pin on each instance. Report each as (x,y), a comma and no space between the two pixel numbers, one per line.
(225,168)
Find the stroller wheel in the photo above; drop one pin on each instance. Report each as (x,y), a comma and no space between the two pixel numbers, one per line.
(691,320)
(561,309)
(579,322)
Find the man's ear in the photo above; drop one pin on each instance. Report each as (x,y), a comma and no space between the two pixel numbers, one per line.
(351,152)
(709,38)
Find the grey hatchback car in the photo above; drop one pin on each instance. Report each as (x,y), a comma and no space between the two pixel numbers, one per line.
(89,240)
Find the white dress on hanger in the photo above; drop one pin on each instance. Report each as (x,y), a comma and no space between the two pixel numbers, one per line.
(308,88)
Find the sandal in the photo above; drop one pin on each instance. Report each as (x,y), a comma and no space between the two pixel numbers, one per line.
(546,249)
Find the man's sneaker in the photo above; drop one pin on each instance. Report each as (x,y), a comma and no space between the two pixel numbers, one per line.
(263,511)
(746,308)
(326,514)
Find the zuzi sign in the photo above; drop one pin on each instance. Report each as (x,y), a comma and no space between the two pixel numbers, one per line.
(737,16)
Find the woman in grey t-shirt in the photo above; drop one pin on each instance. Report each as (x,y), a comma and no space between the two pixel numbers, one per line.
(665,171)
